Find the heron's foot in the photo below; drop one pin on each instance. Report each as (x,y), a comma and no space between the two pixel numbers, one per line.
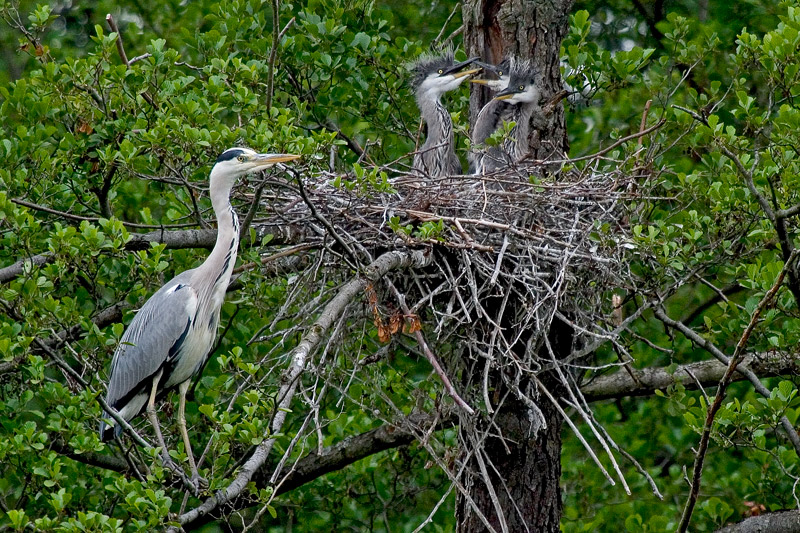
(169,464)
(199,482)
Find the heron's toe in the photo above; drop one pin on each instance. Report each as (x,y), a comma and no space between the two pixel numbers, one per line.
(200,483)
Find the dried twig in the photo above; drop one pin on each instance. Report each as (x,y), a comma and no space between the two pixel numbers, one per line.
(735,359)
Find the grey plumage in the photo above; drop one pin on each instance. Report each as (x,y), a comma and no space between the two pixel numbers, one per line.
(516,103)
(433,76)
(169,339)
(491,116)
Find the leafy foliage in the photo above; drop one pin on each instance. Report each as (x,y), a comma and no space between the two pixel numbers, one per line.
(111,150)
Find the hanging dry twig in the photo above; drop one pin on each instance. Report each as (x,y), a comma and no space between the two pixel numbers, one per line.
(736,358)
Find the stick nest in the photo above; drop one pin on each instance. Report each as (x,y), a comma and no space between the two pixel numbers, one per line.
(511,251)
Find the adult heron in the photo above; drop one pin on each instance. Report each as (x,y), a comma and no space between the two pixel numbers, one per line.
(434,76)
(491,115)
(516,103)
(171,336)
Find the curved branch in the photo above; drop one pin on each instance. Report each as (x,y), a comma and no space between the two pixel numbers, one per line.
(172,239)
(648,380)
(778,522)
(298,360)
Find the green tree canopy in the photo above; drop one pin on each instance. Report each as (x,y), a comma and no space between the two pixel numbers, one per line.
(106,140)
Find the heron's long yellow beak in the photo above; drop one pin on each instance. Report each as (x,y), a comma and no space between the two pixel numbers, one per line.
(479,81)
(466,73)
(504,96)
(271,159)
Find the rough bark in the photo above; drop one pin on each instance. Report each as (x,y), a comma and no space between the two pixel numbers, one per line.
(646,381)
(526,29)
(780,522)
(525,471)
(517,475)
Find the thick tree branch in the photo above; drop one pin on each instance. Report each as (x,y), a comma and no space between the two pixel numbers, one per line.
(173,240)
(779,522)
(648,380)
(298,359)
(742,368)
(350,450)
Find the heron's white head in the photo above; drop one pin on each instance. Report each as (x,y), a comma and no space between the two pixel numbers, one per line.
(435,76)
(522,88)
(500,75)
(236,162)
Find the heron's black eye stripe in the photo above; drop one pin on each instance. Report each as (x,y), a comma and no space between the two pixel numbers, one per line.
(229,154)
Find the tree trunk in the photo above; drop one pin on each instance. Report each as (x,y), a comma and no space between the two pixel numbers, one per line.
(529,469)
(523,466)
(525,29)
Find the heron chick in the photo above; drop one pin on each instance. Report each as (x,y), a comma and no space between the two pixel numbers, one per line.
(491,115)
(434,76)
(170,338)
(516,103)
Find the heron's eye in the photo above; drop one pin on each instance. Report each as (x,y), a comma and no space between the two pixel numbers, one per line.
(499,72)
(441,71)
(521,87)
(241,159)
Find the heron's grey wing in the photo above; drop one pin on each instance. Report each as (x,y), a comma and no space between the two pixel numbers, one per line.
(489,119)
(154,335)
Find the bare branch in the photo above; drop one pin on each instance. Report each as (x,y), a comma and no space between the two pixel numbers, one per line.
(646,381)
(120,46)
(777,522)
(738,356)
(298,360)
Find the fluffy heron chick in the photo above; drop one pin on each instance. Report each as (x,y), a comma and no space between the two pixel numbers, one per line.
(491,115)
(434,76)
(170,338)
(516,103)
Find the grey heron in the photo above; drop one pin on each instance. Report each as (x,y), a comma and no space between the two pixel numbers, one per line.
(434,76)
(491,115)
(516,103)
(169,339)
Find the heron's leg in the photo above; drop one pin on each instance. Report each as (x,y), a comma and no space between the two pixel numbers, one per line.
(153,417)
(182,389)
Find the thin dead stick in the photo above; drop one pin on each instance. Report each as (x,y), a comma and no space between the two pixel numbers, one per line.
(446,22)
(644,120)
(736,358)
(574,428)
(448,386)
(124,57)
(588,419)
(120,47)
(276,18)
(277,255)
(612,146)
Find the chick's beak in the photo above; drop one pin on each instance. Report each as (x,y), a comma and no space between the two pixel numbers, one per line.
(480,81)
(466,73)
(505,94)
(263,160)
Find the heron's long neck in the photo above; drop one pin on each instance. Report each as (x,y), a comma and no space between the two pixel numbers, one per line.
(219,265)
(440,126)
(522,118)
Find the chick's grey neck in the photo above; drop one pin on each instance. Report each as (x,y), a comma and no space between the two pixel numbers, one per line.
(440,126)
